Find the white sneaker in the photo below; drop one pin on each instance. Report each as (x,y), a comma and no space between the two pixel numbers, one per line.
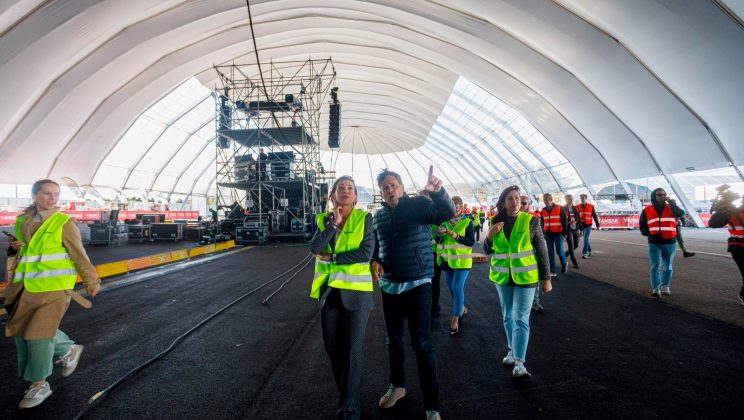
(508,360)
(35,395)
(665,290)
(70,360)
(392,396)
(520,372)
(433,415)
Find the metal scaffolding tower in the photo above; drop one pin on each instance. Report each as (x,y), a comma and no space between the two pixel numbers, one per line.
(267,146)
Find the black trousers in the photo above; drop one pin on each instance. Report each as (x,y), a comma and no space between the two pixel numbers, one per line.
(572,240)
(737,252)
(435,291)
(343,336)
(414,305)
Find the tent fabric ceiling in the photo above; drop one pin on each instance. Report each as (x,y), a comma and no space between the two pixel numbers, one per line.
(622,89)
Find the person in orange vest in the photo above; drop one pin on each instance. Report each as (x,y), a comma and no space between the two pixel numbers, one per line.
(586,215)
(658,223)
(728,214)
(554,227)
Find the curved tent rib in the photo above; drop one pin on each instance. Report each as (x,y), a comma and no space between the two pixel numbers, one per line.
(612,96)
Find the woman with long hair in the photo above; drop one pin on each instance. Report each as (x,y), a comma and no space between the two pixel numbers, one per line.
(48,255)
(519,265)
(343,284)
(457,237)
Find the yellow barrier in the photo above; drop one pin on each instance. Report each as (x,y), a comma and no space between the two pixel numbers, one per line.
(139,263)
(159,259)
(208,248)
(179,255)
(112,269)
(193,252)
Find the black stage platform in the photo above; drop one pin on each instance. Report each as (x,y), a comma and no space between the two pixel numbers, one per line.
(598,350)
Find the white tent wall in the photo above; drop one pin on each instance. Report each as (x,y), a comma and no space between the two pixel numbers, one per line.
(622,89)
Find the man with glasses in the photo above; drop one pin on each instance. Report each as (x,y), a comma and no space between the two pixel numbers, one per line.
(658,223)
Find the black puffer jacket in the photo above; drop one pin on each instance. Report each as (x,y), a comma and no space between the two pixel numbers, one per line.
(404,235)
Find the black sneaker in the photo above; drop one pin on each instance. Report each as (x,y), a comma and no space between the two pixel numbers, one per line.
(688,254)
(655,293)
(576,265)
(564,269)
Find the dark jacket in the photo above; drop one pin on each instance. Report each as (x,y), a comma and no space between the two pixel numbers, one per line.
(722,218)
(659,207)
(404,235)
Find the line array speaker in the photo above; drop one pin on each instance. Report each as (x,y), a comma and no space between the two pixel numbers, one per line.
(334,129)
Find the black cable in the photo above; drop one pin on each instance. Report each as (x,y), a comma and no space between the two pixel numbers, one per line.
(281,286)
(99,395)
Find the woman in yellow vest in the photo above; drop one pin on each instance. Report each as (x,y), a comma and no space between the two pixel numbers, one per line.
(519,265)
(456,240)
(49,255)
(343,284)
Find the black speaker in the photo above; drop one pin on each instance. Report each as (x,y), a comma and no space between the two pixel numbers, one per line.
(334,129)
(225,121)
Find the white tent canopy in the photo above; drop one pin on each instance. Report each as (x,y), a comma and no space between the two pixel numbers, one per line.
(550,95)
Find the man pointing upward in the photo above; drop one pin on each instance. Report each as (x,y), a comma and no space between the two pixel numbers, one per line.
(404,265)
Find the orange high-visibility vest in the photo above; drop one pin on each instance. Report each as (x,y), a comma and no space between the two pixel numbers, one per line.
(666,225)
(585,213)
(552,220)
(736,228)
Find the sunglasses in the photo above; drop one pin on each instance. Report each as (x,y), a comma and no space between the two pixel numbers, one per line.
(524,203)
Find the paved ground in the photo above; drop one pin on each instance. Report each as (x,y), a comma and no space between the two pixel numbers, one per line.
(602,348)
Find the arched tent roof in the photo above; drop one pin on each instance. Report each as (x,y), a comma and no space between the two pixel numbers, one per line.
(612,90)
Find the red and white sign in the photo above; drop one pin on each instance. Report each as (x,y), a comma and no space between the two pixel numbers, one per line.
(631,221)
(8,218)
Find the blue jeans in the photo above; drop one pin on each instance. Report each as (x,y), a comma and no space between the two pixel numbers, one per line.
(661,255)
(516,303)
(555,244)
(456,282)
(414,305)
(587,246)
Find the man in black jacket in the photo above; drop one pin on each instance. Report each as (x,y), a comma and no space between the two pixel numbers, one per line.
(404,264)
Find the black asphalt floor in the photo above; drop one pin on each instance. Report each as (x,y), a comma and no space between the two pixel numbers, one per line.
(598,350)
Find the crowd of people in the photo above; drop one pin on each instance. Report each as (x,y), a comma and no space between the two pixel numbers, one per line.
(410,241)
(407,244)
(404,247)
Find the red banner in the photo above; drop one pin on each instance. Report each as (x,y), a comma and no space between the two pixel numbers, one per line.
(8,218)
(630,221)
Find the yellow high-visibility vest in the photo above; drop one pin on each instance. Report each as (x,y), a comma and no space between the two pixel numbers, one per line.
(515,256)
(355,276)
(45,265)
(457,255)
